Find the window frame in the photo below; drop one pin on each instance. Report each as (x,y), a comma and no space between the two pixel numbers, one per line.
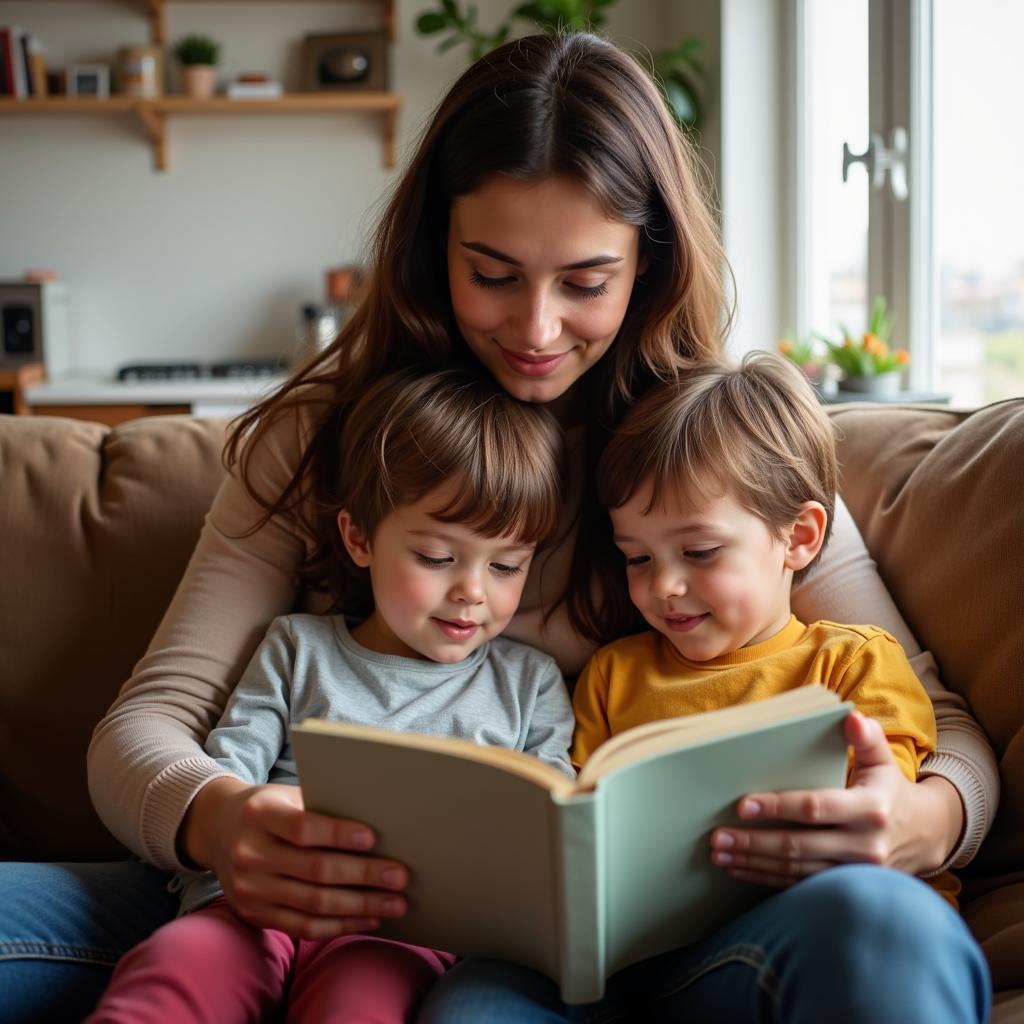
(901,261)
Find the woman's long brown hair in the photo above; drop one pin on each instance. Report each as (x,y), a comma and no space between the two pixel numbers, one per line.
(542,106)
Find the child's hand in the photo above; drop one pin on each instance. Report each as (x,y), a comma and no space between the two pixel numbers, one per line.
(881,818)
(286,868)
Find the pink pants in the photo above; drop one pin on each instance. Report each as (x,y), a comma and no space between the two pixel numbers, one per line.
(211,966)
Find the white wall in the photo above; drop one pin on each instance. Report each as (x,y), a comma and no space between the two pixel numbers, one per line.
(756,128)
(211,259)
(746,144)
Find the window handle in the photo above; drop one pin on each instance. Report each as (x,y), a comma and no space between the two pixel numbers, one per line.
(879,159)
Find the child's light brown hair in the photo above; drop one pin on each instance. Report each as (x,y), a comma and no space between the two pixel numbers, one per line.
(413,432)
(755,432)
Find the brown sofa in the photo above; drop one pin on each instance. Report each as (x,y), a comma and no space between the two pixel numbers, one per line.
(96,525)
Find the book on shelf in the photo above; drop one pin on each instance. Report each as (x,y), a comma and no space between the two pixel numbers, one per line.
(22,64)
(35,63)
(15,83)
(509,859)
(254,90)
(26,66)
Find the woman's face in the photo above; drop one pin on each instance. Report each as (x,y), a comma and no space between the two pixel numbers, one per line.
(540,280)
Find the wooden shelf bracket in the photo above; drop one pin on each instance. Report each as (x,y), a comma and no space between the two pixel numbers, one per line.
(155,126)
(156,21)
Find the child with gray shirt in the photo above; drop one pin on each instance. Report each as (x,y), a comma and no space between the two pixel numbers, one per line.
(446,485)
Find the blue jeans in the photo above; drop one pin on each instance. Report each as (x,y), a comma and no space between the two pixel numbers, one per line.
(62,929)
(852,944)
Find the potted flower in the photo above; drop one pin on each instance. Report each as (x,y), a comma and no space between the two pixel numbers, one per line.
(806,355)
(869,365)
(198,57)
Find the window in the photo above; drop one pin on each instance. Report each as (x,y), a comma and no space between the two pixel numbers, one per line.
(948,251)
(979,204)
(836,112)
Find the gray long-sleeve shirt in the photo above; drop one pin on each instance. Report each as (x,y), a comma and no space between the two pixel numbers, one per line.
(504,694)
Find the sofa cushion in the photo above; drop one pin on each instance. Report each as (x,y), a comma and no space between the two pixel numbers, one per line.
(997,919)
(939,497)
(97,525)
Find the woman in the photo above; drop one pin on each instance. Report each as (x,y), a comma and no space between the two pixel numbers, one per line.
(552,228)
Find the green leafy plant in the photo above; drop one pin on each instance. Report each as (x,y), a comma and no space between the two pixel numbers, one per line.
(682,77)
(564,15)
(871,354)
(463,27)
(678,71)
(802,352)
(197,49)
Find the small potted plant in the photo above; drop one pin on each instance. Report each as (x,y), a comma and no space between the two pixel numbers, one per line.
(869,365)
(198,57)
(806,355)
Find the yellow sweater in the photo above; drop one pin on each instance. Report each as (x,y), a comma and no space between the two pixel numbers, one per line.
(643,678)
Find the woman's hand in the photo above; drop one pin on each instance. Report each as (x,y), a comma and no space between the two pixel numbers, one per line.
(881,818)
(287,868)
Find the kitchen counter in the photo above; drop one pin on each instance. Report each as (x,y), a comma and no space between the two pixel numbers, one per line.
(204,396)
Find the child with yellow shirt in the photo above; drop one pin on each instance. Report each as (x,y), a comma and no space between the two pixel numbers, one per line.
(721,488)
(721,491)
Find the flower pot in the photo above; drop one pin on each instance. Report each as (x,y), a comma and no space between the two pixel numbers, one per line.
(877,384)
(200,80)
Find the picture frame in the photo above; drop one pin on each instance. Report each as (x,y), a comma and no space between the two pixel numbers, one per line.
(89,80)
(345,62)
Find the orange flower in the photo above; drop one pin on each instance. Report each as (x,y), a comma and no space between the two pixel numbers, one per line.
(902,357)
(785,346)
(874,345)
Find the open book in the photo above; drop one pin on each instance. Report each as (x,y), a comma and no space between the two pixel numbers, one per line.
(509,859)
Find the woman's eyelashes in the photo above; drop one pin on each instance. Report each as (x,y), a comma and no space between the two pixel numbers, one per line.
(591,292)
(583,291)
(489,282)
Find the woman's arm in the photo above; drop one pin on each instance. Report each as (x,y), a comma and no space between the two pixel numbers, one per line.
(921,828)
(146,760)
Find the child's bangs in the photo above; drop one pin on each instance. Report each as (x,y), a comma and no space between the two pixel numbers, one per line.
(712,458)
(458,447)
(695,478)
(662,460)
(501,502)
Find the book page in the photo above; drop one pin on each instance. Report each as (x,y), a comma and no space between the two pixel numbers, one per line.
(669,733)
(513,761)
(662,890)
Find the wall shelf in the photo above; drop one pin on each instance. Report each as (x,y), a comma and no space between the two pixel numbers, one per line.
(157,24)
(153,114)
